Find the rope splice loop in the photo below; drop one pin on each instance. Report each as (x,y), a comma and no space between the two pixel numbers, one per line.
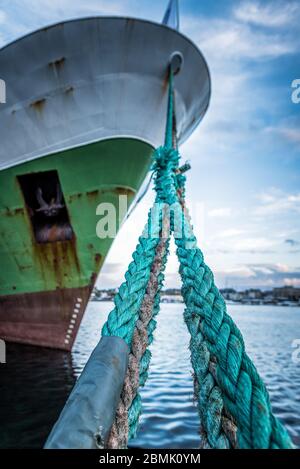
(233,402)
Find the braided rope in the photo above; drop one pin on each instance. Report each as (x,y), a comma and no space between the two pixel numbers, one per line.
(129,409)
(243,393)
(233,403)
(137,303)
(217,428)
(217,348)
(122,319)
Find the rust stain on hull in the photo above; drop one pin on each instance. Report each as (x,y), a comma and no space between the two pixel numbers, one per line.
(12,212)
(69,89)
(57,64)
(124,191)
(165,84)
(92,193)
(98,259)
(38,105)
(59,258)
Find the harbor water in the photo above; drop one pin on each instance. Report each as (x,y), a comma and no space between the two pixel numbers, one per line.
(35,382)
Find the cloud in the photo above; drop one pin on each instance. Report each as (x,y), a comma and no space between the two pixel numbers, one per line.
(270,268)
(2,17)
(259,276)
(237,272)
(294,282)
(231,238)
(274,14)
(55,8)
(111,268)
(256,251)
(245,99)
(291,242)
(24,16)
(233,250)
(237,114)
(172,279)
(220,212)
(231,232)
(276,201)
(111,275)
(225,39)
(251,244)
(290,133)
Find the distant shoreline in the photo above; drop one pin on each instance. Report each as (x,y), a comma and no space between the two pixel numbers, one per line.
(286,295)
(170,300)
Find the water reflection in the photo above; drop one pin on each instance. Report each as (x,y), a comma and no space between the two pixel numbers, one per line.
(35,382)
(34,386)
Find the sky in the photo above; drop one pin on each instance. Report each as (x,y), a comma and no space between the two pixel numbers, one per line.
(244,186)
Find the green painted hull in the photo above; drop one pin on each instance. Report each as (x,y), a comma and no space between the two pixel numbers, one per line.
(44,287)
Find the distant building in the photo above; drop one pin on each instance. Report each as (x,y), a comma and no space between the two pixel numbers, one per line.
(172,291)
(283,296)
(227,291)
(231,294)
(268,297)
(253,294)
(288,292)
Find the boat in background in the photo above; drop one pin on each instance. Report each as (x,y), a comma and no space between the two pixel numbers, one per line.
(86,105)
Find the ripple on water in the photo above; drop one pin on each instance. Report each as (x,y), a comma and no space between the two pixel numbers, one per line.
(37,382)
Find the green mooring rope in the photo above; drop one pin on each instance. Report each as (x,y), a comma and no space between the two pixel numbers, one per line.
(233,402)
